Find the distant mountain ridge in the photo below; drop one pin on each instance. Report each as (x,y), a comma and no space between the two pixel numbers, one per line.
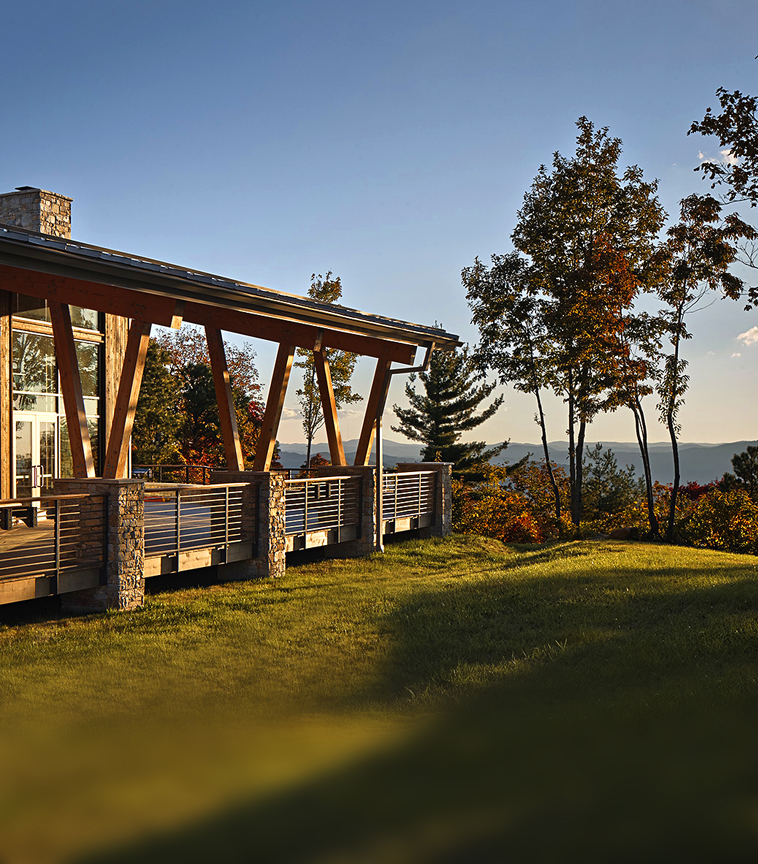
(699,462)
(293,455)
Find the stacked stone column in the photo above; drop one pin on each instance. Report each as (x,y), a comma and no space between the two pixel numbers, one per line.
(124,586)
(266,489)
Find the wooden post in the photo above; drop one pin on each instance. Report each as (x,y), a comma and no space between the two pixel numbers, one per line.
(376,400)
(329,407)
(6,386)
(274,405)
(71,387)
(226,411)
(126,401)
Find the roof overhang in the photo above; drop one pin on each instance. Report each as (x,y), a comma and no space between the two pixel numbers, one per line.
(155,291)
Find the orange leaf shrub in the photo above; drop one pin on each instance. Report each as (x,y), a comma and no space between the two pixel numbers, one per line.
(722,520)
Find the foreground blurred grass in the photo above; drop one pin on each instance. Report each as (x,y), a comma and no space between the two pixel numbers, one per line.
(450,701)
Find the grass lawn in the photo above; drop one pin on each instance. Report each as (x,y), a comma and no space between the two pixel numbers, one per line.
(451,701)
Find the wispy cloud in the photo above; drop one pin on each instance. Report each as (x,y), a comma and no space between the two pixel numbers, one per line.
(736,354)
(726,157)
(749,337)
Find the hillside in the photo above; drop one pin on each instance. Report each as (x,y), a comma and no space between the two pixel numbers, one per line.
(699,462)
(449,701)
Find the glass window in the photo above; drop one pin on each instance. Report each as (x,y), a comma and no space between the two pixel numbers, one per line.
(37,310)
(87,357)
(34,363)
(67,462)
(29,307)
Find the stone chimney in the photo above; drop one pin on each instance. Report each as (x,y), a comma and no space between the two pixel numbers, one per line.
(37,210)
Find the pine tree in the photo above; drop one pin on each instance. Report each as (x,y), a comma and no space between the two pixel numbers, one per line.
(447,408)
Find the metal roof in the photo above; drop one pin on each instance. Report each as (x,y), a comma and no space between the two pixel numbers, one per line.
(30,250)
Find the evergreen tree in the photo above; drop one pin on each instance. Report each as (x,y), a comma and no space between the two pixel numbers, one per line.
(608,489)
(745,466)
(447,408)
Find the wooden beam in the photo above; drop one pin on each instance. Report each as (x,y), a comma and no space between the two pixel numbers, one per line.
(329,407)
(274,405)
(6,426)
(89,295)
(178,316)
(376,400)
(226,411)
(287,332)
(168,312)
(126,401)
(71,388)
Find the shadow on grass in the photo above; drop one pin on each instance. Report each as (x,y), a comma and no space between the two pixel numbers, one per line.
(592,723)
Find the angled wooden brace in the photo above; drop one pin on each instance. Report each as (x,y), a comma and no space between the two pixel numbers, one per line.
(274,405)
(71,387)
(226,411)
(329,407)
(126,400)
(376,400)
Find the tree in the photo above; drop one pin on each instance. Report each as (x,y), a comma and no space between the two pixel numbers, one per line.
(447,408)
(736,174)
(578,223)
(157,420)
(745,466)
(701,248)
(327,289)
(513,338)
(178,401)
(608,489)
(736,127)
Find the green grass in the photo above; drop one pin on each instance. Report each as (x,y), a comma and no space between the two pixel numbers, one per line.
(452,700)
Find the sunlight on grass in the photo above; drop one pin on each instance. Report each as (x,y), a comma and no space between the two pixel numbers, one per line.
(448,700)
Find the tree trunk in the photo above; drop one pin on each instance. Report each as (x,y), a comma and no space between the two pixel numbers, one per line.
(548,465)
(640,427)
(308,455)
(670,422)
(576,498)
(572,448)
(675,487)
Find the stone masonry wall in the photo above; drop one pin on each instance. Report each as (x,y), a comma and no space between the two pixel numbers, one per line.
(37,210)
(125,568)
(272,539)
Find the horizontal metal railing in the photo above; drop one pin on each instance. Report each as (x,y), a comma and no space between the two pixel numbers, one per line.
(180,518)
(407,493)
(321,504)
(174,473)
(42,536)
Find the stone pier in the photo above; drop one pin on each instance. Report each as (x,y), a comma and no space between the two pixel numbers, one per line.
(124,586)
(265,494)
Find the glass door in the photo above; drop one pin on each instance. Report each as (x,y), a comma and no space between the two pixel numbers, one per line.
(35,452)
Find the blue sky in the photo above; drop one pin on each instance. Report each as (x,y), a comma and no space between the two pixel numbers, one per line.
(388,142)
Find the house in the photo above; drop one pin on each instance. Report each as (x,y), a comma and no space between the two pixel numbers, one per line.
(75,321)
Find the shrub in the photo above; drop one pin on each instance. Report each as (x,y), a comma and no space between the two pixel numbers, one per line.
(723,520)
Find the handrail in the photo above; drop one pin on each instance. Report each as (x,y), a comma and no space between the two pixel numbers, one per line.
(325,479)
(178,487)
(10,502)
